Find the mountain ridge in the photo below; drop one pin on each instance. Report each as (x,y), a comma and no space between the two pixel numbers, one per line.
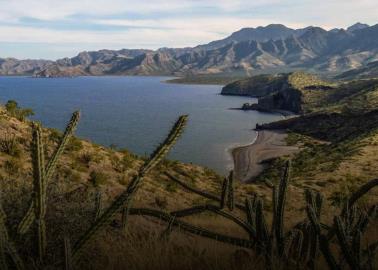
(246,51)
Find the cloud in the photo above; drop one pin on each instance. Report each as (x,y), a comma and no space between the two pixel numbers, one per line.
(133,38)
(223,25)
(94,24)
(57,9)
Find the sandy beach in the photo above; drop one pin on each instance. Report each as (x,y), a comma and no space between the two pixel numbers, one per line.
(268,144)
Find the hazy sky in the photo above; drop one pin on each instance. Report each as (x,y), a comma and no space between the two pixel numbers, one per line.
(57,28)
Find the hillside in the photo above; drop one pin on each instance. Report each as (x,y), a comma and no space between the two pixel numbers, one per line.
(248,51)
(87,171)
(365,72)
(297,92)
(300,92)
(338,150)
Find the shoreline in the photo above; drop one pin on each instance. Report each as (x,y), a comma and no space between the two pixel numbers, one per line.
(248,159)
(267,145)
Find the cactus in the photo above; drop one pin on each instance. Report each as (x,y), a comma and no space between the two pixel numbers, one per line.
(214,209)
(7,246)
(125,198)
(125,216)
(250,205)
(344,243)
(29,217)
(360,192)
(297,247)
(98,205)
(191,228)
(67,254)
(279,215)
(3,240)
(201,192)
(166,233)
(224,193)
(39,184)
(230,194)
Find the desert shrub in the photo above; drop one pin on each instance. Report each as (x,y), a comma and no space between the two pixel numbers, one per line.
(161,202)
(122,164)
(9,144)
(123,180)
(86,158)
(98,178)
(55,135)
(14,110)
(171,187)
(74,145)
(69,174)
(12,166)
(346,186)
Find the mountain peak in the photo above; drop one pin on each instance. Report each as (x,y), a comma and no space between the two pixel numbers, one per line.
(357,26)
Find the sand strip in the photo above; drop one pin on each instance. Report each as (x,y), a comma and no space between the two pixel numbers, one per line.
(268,144)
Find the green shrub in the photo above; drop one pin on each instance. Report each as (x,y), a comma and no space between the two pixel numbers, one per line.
(15,111)
(86,158)
(171,187)
(9,144)
(122,164)
(74,145)
(12,166)
(55,135)
(98,178)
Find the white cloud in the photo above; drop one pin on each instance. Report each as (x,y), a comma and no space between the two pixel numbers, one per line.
(58,9)
(133,38)
(185,22)
(224,25)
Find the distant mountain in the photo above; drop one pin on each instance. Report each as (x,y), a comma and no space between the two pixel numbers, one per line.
(248,51)
(12,66)
(357,26)
(260,34)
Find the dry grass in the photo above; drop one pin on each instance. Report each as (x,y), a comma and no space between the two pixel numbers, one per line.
(71,209)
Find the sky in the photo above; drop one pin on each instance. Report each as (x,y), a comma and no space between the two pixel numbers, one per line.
(52,29)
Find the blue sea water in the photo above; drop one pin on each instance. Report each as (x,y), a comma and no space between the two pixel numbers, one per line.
(137,112)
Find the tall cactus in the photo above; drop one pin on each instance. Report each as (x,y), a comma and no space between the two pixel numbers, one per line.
(98,205)
(29,217)
(125,198)
(67,254)
(279,215)
(224,193)
(39,190)
(3,240)
(7,247)
(230,194)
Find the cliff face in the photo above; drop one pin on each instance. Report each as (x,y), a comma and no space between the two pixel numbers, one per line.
(288,99)
(295,92)
(305,93)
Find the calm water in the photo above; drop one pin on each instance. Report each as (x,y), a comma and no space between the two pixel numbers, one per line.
(137,112)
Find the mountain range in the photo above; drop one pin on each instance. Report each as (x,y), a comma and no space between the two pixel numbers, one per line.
(248,51)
